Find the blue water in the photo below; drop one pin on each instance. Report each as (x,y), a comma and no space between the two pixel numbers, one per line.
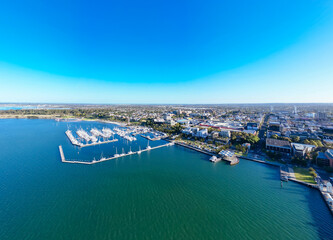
(16,108)
(167,193)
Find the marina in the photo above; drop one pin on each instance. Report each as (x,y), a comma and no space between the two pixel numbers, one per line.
(94,141)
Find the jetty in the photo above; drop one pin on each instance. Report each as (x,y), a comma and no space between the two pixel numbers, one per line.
(63,159)
(103,159)
(99,142)
(284,173)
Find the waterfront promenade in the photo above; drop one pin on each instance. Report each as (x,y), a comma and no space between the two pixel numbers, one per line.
(231,161)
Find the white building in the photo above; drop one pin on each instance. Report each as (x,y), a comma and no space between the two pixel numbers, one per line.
(202,133)
(225,133)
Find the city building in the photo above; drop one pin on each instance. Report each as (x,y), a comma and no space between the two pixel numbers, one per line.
(322,115)
(252,126)
(203,133)
(184,122)
(225,133)
(250,132)
(325,159)
(299,150)
(274,126)
(278,145)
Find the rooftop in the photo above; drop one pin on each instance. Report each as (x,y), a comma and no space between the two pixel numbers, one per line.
(301,147)
(277,143)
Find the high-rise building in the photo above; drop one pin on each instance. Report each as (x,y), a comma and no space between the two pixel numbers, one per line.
(322,115)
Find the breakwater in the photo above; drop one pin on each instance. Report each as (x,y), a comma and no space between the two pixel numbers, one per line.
(64,160)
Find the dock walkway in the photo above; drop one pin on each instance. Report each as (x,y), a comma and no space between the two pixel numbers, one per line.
(98,143)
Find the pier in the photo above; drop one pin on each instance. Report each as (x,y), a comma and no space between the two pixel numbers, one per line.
(98,143)
(63,159)
(284,173)
(62,154)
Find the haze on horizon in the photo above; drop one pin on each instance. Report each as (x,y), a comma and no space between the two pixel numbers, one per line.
(166,51)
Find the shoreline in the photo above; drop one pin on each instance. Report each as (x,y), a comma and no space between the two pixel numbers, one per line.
(43,117)
(313,186)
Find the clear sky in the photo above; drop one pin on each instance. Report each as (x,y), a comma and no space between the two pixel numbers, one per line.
(166,51)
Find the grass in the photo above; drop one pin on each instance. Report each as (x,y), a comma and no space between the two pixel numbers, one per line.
(304,175)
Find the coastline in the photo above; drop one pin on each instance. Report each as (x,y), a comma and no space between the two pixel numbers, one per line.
(58,117)
(266,163)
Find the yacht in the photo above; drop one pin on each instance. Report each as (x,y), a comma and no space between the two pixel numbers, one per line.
(139,152)
(116,155)
(130,151)
(213,159)
(148,147)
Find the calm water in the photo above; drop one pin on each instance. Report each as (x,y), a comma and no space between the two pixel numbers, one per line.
(169,193)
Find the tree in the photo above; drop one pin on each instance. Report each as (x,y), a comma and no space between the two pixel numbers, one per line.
(306,141)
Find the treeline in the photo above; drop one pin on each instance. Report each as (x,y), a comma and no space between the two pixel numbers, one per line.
(241,137)
(166,128)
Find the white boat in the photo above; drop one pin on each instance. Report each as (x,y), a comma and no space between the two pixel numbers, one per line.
(116,155)
(148,147)
(213,159)
(130,151)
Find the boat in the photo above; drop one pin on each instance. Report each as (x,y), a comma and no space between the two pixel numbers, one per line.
(148,147)
(130,151)
(116,155)
(213,159)
(139,152)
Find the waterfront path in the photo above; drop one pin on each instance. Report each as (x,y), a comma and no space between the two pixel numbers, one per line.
(231,161)
(194,148)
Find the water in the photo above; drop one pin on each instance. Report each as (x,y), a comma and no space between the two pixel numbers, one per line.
(26,107)
(16,108)
(168,193)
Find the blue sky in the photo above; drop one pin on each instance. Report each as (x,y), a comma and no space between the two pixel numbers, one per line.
(210,51)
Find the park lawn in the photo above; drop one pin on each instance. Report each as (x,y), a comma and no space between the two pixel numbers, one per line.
(304,175)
